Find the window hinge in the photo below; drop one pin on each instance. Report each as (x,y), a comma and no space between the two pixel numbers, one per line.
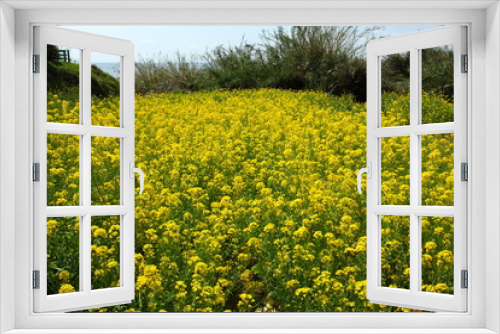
(36,172)
(464,172)
(465,63)
(36,63)
(465,279)
(36,279)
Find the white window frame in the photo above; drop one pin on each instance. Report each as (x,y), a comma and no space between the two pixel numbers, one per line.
(413,43)
(484,103)
(86,44)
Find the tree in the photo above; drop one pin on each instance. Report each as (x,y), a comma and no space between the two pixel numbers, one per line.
(52,53)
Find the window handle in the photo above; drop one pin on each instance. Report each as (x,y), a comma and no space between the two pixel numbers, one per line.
(368,171)
(134,170)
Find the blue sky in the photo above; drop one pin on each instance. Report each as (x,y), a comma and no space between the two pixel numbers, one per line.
(192,40)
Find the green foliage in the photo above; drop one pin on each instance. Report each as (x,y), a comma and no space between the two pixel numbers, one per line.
(52,53)
(62,241)
(329,59)
(242,66)
(103,84)
(396,73)
(155,76)
(63,78)
(437,72)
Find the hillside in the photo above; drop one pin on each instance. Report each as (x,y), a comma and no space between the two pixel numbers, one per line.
(63,78)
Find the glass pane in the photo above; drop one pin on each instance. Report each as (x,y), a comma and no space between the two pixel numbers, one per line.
(105,252)
(395,104)
(437,254)
(395,181)
(395,252)
(63,85)
(63,170)
(105,171)
(63,255)
(437,170)
(105,89)
(437,85)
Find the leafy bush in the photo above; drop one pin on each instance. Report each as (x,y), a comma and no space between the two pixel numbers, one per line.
(437,72)
(329,59)
(238,67)
(165,75)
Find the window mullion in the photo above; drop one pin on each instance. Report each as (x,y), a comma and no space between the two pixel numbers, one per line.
(414,172)
(82,183)
(85,158)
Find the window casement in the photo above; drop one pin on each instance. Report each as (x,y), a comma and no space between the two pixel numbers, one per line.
(86,209)
(408,213)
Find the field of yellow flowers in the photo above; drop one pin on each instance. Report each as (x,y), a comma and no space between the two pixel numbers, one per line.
(250,202)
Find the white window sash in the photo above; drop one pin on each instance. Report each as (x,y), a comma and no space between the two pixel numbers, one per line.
(414,297)
(85,298)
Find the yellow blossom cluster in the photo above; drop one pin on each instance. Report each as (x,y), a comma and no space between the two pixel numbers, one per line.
(250,203)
